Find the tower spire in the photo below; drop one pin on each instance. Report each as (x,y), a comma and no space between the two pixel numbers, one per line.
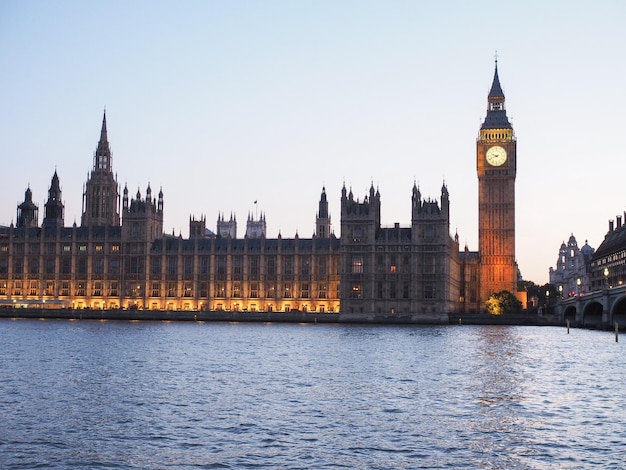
(496,111)
(102,158)
(101,197)
(496,89)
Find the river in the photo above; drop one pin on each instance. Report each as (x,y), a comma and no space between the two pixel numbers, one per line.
(152,395)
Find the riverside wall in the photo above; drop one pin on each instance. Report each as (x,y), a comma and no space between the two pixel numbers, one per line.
(279,317)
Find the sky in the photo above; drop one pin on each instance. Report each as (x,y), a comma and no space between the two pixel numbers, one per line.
(224,103)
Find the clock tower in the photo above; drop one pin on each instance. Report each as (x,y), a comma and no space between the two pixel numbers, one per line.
(496,165)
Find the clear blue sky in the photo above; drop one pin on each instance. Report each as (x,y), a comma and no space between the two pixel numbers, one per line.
(222,103)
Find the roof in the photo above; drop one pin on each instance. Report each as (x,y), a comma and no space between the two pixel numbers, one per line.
(614,241)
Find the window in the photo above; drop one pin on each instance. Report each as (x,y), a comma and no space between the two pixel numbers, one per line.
(271,267)
(97,289)
(356,291)
(237,266)
(114,266)
(155,265)
(34,287)
(82,265)
(236,289)
(254,289)
(156,289)
(18,266)
(271,290)
(288,290)
(98,266)
(204,265)
(34,266)
(322,267)
(288,266)
(429,291)
(171,289)
(171,265)
(305,267)
(253,267)
(221,267)
(323,291)
(357,265)
(80,289)
(187,291)
(304,290)
(188,265)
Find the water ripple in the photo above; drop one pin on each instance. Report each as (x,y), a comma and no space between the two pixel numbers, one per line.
(151,395)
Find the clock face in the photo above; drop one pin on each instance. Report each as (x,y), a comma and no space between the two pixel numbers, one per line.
(496,155)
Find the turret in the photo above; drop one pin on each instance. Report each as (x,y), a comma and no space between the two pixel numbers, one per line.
(142,218)
(227,228)
(322,220)
(27,211)
(54,208)
(197,228)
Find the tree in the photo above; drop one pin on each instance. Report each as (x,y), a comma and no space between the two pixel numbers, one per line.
(503,302)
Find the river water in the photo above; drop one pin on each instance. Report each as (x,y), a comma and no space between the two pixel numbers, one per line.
(90,394)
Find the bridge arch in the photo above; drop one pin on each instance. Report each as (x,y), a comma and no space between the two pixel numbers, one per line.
(570,314)
(618,311)
(592,314)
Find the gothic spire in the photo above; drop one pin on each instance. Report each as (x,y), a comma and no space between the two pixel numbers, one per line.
(54,207)
(496,89)
(496,112)
(102,159)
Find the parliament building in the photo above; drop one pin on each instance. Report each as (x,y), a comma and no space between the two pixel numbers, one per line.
(120,258)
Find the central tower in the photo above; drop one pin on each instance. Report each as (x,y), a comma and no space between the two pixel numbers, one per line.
(496,165)
(101,196)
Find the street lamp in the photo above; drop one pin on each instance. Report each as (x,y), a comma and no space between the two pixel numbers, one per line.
(578,282)
(606,277)
(561,291)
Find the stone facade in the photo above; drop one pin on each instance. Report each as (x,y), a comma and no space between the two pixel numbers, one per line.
(397,270)
(120,258)
(608,263)
(572,275)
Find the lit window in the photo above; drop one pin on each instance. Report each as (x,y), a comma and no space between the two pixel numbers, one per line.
(357,265)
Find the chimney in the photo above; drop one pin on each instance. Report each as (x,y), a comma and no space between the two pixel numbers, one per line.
(619,220)
(611,227)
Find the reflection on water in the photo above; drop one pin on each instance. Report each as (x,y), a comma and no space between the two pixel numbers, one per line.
(152,395)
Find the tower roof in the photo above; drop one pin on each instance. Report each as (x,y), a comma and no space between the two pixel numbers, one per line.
(103,149)
(54,185)
(496,112)
(496,89)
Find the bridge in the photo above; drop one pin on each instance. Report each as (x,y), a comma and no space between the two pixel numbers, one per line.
(598,309)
